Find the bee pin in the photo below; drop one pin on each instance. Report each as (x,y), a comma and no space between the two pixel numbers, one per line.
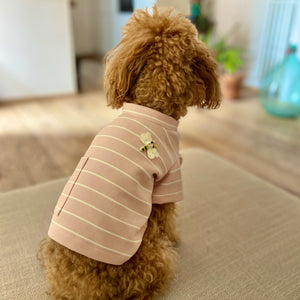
(150,145)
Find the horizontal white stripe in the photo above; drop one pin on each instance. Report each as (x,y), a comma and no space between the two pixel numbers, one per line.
(119,170)
(132,147)
(175,181)
(101,211)
(109,198)
(117,153)
(59,208)
(166,169)
(100,228)
(173,171)
(167,194)
(175,153)
(116,185)
(135,112)
(87,239)
(124,128)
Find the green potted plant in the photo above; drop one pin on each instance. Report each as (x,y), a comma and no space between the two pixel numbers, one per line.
(230,61)
(228,58)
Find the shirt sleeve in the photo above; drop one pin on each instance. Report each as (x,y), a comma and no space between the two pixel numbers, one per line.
(169,188)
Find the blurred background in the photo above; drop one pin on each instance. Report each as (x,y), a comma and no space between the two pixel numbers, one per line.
(51,74)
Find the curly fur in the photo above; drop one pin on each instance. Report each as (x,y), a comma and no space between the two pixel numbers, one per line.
(73,276)
(161,64)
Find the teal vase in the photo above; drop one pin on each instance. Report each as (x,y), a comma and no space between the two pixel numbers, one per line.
(280,89)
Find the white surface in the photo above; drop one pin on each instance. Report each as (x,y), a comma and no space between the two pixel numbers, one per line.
(36,49)
(182,6)
(137,4)
(110,23)
(241,22)
(295,35)
(84,17)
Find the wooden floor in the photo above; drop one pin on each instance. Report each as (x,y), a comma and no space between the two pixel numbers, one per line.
(43,139)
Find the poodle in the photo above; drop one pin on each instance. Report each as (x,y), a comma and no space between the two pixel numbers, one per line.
(113,235)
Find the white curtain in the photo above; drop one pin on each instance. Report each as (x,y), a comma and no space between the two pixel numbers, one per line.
(295,34)
(281,27)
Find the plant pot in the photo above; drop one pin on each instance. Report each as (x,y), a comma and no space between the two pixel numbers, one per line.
(231,85)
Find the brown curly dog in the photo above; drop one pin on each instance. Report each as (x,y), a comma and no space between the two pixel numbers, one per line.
(160,64)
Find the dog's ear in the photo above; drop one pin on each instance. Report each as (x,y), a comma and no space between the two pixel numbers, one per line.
(122,72)
(205,68)
(125,62)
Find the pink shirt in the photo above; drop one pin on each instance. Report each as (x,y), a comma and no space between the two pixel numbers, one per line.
(103,210)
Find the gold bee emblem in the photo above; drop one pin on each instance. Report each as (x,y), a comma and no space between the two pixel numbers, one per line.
(149,145)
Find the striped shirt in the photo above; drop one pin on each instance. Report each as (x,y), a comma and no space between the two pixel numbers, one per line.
(103,210)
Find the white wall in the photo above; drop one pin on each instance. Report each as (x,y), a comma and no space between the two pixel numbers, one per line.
(111,21)
(241,22)
(36,49)
(249,18)
(234,17)
(182,6)
(84,17)
(295,33)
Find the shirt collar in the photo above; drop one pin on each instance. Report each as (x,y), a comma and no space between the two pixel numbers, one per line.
(151,114)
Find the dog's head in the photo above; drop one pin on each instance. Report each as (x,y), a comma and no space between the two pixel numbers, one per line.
(160,63)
